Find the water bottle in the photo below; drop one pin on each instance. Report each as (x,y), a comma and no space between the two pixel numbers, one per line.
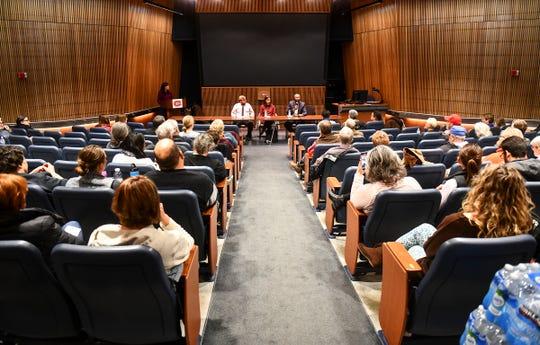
(134,171)
(524,322)
(495,335)
(117,175)
(476,328)
(497,294)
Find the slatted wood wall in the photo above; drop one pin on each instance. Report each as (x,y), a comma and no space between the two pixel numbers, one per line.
(83,58)
(263,6)
(220,100)
(440,57)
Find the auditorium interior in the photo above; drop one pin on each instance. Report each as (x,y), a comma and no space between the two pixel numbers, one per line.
(270,172)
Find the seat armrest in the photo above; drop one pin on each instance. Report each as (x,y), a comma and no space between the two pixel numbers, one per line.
(190,298)
(399,271)
(355,218)
(331,184)
(212,214)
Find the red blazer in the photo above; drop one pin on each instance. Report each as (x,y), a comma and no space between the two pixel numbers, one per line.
(271,110)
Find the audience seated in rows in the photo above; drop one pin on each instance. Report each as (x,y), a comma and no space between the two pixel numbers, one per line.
(380,138)
(514,152)
(469,161)
(497,157)
(483,216)
(203,144)
(333,154)
(188,132)
(352,125)
(40,227)
(173,175)
(456,139)
(104,122)
(432,125)
(138,225)
(12,161)
(225,138)
(91,164)
(220,146)
(385,171)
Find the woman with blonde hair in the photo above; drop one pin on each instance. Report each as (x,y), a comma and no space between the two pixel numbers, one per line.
(384,171)
(431,125)
(480,130)
(352,125)
(91,164)
(188,131)
(498,205)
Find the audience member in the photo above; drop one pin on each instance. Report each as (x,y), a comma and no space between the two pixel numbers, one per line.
(489,120)
(42,228)
(267,110)
(393,121)
(173,175)
(456,139)
(497,157)
(500,125)
(326,116)
(432,125)
(326,137)
(334,154)
(132,151)
(188,124)
(226,138)
(145,223)
(12,161)
(168,130)
(380,138)
(498,205)
(119,132)
(220,146)
(413,157)
(243,114)
(384,171)
(469,161)
(91,164)
(4,132)
(203,144)
(23,122)
(120,118)
(353,115)
(104,122)
(452,120)
(480,130)
(376,116)
(156,122)
(521,125)
(535,146)
(350,123)
(514,152)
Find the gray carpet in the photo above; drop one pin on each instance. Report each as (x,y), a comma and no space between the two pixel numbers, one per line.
(279,280)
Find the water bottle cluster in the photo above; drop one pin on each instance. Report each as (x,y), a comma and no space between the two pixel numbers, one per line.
(510,311)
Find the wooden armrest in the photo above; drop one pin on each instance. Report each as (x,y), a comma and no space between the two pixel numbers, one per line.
(307,165)
(332,183)
(212,214)
(399,269)
(192,311)
(355,218)
(316,192)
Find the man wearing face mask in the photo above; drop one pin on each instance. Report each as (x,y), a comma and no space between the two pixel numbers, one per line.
(295,108)
(244,112)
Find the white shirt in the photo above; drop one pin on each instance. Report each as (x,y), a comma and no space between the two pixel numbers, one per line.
(123,158)
(236,112)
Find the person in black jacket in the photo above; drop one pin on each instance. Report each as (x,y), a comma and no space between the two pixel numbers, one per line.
(40,227)
(203,144)
(12,162)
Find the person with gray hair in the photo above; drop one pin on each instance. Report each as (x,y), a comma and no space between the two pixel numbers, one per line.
(535,146)
(167,130)
(203,144)
(119,132)
(334,154)
(353,115)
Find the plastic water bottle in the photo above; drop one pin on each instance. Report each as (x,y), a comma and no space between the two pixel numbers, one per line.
(497,295)
(524,322)
(476,328)
(117,174)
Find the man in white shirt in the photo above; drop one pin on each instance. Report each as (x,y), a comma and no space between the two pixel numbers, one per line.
(244,114)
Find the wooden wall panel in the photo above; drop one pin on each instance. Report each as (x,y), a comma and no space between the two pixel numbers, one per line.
(263,6)
(83,58)
(452,56)
(220,100)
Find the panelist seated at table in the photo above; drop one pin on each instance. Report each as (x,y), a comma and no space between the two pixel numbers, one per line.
(295,108)
(242,112)
(267,110)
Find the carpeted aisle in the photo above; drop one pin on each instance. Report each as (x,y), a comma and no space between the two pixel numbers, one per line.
(279,280)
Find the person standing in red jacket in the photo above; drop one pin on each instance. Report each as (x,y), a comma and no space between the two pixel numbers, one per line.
(164,98)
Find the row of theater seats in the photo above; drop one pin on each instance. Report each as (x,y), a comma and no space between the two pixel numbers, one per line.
(438,304)
(80,302)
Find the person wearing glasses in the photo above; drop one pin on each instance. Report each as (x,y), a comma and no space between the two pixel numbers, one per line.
(243,113)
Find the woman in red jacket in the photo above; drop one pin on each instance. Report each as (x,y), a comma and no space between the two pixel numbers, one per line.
(266,111)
